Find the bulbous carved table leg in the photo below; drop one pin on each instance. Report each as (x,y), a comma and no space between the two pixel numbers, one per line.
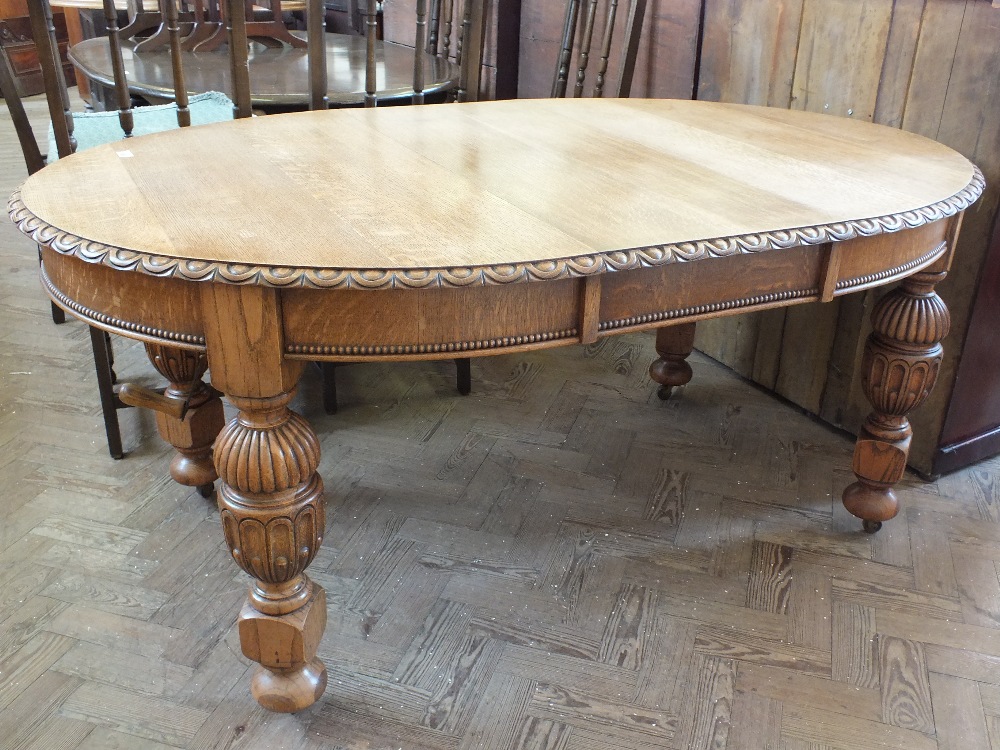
(270,495)
(271,505)
(901,361)
(674,344)
(193,434)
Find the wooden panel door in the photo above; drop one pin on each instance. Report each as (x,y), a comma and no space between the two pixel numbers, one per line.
(928,66)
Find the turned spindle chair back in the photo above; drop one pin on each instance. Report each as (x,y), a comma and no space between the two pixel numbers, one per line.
(178,114)
(35,158)
(70,132)
(584,25)
(456,31)
(453,30)
(235,14)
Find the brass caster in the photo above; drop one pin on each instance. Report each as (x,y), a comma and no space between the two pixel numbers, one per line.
(664,392)
(871,527)
(206,490)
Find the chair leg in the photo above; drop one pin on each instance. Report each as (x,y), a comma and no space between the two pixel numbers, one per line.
(58,314)
(463,366)
(101,344)
(111,363)
(329,370)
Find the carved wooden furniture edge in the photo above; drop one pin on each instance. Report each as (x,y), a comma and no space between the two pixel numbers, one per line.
(603,262)
(890,274)
(448,349)
(708,309)
(455,347)
(118,325)
(760,301)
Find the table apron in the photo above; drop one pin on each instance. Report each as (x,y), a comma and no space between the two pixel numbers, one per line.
(438,323)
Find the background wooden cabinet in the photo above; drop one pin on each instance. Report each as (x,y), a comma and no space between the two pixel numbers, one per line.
(18,47)
(972,424)
(928,66)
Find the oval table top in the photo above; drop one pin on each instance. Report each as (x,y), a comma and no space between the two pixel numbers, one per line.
(486,193)
(279,77)
(477,196)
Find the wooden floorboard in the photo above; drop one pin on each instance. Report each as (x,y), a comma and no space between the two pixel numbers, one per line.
(559,561)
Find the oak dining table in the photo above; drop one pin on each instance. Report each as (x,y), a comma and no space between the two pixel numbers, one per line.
(279,75)
(475,229)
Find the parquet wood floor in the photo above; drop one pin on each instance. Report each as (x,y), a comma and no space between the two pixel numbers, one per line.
(559,561)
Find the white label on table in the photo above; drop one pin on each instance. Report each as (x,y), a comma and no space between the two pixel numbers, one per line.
(125,154)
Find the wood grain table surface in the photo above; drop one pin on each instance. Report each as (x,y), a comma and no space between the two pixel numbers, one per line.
(470,230)
(499,183)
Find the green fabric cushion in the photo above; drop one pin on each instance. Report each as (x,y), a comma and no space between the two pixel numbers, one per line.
(96,128)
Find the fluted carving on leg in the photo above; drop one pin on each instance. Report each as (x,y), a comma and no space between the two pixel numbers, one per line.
(193,434)
(272,512)
(900,365)
(184,368)
(275,544)
(276,451)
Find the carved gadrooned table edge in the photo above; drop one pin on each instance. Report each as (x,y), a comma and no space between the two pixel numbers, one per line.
(470,347)
(124,259)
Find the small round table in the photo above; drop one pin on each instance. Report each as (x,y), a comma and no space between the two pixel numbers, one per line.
(279,77)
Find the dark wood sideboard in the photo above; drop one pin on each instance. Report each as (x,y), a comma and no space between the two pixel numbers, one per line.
(18,47)
(972,426)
